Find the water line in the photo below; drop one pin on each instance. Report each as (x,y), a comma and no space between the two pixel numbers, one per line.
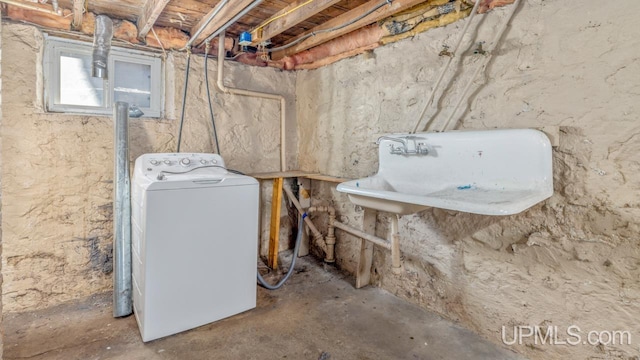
(483,64)
(444,70)
(296,248)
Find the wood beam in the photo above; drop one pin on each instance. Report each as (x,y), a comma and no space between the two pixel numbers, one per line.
(363,276)
(274,228)
(78,14)
(300,10)
(148,16)
(171,38)
(377,15)
(230,10)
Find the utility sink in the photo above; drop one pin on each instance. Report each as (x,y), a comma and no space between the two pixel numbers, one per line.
(490,172)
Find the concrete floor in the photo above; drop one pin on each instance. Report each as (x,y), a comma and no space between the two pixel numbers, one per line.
(317,315)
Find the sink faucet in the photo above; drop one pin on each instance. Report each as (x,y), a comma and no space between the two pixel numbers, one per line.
(419,148)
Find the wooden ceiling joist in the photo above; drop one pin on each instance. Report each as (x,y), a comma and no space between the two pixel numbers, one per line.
(288,17)
(379,14)
(78,14)
(230,10)
(148,16)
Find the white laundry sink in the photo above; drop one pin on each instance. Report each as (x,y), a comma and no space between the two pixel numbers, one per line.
(490,172)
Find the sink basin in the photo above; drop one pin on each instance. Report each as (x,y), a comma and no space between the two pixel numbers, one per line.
(490,172)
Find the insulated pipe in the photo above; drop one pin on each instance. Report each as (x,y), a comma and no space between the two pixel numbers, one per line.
(317,235)
(445,68)
(122,304)
(213,14)
(228,90)
(482,65)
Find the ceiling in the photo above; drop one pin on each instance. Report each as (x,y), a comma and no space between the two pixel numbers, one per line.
(304,24)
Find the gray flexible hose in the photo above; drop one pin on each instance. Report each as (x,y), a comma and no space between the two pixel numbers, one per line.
(263,283)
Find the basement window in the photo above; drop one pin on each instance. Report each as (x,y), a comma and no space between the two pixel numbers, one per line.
(134,77)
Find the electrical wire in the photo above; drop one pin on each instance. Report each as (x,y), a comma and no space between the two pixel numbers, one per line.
(282,15)
(314,33)
(206,80)
(483,65)
(184,97)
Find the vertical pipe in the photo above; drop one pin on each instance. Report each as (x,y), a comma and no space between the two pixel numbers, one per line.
(229,90)
(122,305)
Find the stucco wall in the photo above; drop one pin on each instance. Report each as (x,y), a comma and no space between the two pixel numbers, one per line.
(58,169)
(572,260)
(1,325)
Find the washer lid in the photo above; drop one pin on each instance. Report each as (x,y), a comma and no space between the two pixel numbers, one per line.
(184,170)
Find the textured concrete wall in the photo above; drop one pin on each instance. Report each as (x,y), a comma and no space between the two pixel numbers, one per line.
(58,168)
(1,325)
(573,260)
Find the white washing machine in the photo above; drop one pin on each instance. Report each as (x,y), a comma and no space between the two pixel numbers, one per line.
(195,241)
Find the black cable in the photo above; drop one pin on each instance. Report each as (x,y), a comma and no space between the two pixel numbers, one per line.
(184,98)
(213,120)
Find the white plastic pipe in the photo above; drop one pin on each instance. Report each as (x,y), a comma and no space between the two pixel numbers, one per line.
(445,68)
(363,235)
(483,63)
(229,90)
(314,230)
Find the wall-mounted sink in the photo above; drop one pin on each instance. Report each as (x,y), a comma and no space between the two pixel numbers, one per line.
(490,172)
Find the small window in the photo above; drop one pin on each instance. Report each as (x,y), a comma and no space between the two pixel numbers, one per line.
(134,77)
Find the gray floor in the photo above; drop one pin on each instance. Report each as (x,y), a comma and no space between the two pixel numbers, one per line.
(317,315)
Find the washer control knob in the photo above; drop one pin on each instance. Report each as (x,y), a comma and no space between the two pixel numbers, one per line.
(203,162)
(154,162)
(167,162)
(185,162)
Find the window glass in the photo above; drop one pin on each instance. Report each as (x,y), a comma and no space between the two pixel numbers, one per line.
(77,86)
(132,83)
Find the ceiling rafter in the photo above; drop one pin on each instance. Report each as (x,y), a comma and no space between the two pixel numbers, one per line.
(78,14)
(290,16)
(383,12)
(148,16)
(226,13)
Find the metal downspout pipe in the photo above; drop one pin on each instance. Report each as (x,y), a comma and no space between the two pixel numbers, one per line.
(122,302)
(229,90)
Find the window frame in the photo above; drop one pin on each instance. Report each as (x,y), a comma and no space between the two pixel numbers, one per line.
(55,46)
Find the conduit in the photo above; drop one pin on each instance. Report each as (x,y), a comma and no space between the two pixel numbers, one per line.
(233,20)
(445,68)
(483,64)
(213,14)
(229,90)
